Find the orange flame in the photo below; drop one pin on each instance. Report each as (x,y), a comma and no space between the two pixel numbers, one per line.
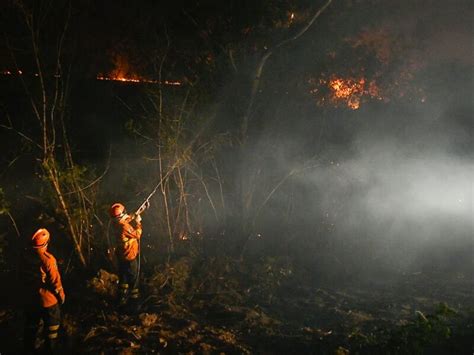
(124,73)
(346,91)
(136,80)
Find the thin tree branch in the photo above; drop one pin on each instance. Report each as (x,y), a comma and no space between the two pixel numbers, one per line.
(14,223)
(278,185)
(95,181)
(24,136)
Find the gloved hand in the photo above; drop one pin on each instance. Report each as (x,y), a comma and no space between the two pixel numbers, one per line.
(138,218)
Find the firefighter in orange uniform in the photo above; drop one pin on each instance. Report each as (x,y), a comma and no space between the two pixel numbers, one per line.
(45,292)
(128,230)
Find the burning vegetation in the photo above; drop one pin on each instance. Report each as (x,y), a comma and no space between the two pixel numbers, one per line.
(124,72)
(135,79)
(391,75)
(349,92)
(353,91)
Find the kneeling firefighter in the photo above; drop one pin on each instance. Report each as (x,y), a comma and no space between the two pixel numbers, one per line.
(43,292)
(128,231)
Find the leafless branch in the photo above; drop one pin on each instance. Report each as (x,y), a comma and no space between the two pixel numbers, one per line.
(24,136)
(278,185)
(95,181)
(13,223)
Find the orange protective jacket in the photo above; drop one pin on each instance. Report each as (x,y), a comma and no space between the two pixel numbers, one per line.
(50,287)
(128,236)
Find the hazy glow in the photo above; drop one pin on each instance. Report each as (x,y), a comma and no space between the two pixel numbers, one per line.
(423,187)
(391,190)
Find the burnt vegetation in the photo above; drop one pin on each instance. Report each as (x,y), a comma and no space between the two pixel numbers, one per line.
(313,165)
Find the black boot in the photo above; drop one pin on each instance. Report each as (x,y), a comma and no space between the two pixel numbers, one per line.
(52,346)
(123,295)
(133,302)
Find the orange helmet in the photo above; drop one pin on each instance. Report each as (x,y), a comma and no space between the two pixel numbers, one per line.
(40,239)
(117,210)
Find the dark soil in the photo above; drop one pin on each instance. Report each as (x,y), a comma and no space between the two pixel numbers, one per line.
(184,311)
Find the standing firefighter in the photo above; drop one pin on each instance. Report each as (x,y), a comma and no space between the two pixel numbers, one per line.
(128,232)
(43,294)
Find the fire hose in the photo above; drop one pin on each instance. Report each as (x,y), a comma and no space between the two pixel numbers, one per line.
(146,204)
(137,213)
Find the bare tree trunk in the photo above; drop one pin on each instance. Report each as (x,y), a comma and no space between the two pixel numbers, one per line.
(71,225)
